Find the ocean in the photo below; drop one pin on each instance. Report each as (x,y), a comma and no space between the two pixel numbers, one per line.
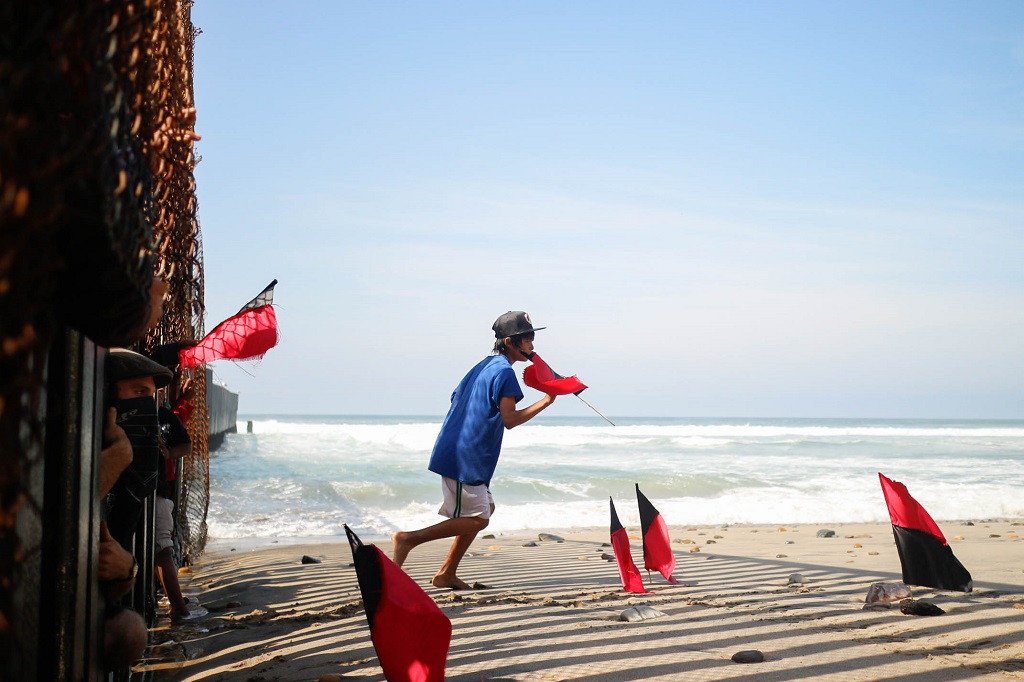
(306,476)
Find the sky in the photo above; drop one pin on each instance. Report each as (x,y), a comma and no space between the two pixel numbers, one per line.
(717,209)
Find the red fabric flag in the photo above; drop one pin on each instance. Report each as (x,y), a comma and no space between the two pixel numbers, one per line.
(658,554)
(541,377)
(925,556)
(247,334)
(632,581)
(410,633)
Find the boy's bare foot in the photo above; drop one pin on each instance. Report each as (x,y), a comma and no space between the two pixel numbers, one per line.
(449,582)
(400,540)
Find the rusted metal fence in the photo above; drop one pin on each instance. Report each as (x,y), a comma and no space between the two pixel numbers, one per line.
(97,196)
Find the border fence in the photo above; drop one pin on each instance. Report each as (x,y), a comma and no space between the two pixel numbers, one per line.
(97,197)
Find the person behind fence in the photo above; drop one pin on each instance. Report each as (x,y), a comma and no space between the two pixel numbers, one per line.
(124,631)
(133,380)
(175,444)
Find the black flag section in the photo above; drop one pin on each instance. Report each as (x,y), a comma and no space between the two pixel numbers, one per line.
(410,634)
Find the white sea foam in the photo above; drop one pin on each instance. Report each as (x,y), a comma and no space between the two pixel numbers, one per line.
(307,476)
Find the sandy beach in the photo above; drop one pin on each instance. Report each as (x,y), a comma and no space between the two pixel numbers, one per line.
(551,610)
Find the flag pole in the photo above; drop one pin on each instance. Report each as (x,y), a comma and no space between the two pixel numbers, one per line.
(594,409)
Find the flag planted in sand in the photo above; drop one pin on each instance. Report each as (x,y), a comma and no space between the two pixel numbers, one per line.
(246,335)
(410,634)
(632,581)
(658,554)
(926,557)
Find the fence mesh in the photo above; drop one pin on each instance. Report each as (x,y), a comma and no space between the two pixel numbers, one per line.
(97,194)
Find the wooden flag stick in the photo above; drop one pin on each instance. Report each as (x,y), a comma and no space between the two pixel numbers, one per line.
(594,409)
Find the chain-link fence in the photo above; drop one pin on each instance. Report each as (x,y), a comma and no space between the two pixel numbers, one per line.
(97,196)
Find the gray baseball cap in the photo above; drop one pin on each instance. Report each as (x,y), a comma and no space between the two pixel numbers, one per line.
(512,323)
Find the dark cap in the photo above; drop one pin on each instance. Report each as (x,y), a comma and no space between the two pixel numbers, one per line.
(512,323)
(127,364)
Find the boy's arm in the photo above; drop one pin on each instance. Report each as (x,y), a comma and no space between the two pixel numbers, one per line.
(513,417)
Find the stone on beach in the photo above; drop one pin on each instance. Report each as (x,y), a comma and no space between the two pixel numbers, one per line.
(306,559)
(748,656)
(549,538)
(917,607)
(795,579)
(635,614)
(887,592)
(825,533)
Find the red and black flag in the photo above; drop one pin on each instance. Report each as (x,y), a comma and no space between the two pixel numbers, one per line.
(247,334)
(926,557)
(410,634)
(541,377)
(658,554)
(632,581)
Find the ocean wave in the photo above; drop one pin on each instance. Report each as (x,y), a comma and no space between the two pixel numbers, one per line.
(421,435)
(308,476)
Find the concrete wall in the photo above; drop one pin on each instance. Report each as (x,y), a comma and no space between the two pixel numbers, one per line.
(222,406)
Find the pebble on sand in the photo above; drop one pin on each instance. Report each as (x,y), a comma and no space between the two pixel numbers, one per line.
(825,533)
(549,537)
(306,559)
(887,592)
(795,579)
(635,614)
(748,656)
(917,607)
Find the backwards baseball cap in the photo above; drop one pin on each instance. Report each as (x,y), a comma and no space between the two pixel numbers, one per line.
(512,323)
(127,364)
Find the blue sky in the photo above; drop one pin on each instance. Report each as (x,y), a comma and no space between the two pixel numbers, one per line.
(717,208)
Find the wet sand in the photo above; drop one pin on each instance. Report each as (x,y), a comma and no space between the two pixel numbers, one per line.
(551,611)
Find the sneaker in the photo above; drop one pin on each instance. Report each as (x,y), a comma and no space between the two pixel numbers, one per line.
(165,603)
(194,613)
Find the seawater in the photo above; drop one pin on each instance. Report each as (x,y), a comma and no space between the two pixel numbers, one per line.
(306,476)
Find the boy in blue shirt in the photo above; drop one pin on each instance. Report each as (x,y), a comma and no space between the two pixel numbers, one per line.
(467,448)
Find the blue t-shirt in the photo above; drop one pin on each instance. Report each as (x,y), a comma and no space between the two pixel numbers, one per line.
(469,443)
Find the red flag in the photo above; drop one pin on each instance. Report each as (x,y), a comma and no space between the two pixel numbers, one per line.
(410,633)
(658,554)
(925,556)
(541,377)
(632,581)
(247,334)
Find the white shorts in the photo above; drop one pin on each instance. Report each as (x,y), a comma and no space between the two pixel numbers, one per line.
(164,523)
(462,499)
